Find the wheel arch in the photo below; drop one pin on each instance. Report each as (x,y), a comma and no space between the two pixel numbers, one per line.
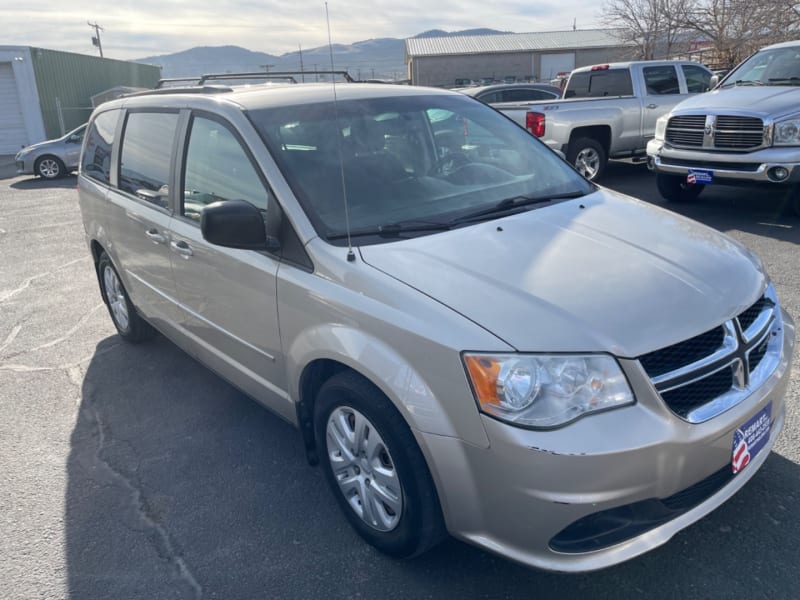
(600,133)
(325,351)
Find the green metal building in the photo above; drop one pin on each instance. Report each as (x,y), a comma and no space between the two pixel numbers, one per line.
(46,93)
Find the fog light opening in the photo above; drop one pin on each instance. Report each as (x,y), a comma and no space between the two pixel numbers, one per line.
(778,173)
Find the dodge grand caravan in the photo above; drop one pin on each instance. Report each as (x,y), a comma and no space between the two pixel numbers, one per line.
(470,337)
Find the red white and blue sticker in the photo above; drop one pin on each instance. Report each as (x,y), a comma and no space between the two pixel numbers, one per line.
(750,438)
(700,177)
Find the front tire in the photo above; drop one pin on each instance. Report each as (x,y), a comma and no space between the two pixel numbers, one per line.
(588,157)
(375,469)
(50,167)
(129,324)
(673,188)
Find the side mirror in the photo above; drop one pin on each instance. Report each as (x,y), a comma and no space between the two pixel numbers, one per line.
(714,81)
(236,224)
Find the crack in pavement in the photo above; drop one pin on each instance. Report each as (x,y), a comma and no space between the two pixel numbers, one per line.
(10,338)
(5,295)
(63,367)
(165,546)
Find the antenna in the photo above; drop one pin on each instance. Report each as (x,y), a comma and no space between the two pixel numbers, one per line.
(351,256)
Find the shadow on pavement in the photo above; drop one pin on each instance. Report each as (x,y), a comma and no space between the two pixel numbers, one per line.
(181,487)
(38,183)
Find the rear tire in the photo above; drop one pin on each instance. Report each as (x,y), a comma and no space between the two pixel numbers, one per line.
(129,324)
(588,157)
(375,468)
(49,167)
(673,188)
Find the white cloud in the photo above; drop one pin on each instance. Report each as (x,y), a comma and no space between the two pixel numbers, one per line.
(150,27)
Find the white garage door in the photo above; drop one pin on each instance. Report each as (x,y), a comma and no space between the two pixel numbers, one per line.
(12,128)
(553,64)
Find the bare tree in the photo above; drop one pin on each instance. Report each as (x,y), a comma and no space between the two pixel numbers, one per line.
(655,27)
(736,28)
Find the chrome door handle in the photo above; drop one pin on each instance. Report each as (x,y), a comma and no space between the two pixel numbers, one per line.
(182,248)
(155,236)
(652,106)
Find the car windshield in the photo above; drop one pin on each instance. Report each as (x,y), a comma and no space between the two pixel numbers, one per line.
(779,66)
(410,164)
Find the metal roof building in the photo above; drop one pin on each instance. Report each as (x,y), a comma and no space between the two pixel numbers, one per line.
(45,93)
(441,61)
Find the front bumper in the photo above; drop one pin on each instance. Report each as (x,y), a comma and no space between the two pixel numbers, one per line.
(24,167)
(753,167)
(516,496)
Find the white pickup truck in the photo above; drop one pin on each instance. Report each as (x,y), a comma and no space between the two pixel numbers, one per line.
(609,111)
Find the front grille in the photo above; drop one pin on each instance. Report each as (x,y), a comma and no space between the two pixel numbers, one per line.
(683,353)
(726,132)
(723,361)
(684,400)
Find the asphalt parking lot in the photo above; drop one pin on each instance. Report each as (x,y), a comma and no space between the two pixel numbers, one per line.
(130,471)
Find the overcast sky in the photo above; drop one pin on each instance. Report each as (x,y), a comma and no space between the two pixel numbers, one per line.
(135,29)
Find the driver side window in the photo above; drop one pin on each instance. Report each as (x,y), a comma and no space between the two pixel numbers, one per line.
(217,168)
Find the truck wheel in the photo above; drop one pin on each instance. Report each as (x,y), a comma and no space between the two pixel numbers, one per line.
(674,188)
(588,157)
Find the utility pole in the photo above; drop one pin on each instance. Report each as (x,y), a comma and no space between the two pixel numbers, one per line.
(266,67)
(96,38)
(302,73)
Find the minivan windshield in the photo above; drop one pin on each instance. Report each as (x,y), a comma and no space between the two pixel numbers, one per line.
(410,165)
(778,66)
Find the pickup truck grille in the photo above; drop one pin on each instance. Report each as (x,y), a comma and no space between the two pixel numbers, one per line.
(705,375)
(724,132)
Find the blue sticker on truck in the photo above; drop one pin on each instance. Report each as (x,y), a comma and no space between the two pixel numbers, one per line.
(700,177)
(750,438)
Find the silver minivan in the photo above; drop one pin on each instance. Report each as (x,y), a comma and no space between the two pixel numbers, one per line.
(470,337)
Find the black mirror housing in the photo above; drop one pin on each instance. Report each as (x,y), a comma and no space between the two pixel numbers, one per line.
(235,224)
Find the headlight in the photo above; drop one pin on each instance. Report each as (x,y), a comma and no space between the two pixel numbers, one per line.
(541,391)
(787,133)
(22,154)
(661,127)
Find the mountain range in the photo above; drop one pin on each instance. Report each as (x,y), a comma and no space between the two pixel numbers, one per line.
(381,58)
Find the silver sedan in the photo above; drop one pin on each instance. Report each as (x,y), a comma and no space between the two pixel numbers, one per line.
(53,158)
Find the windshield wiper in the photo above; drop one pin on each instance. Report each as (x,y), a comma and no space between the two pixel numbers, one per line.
(510,205)
(745,82)
(785,80)
(392,229)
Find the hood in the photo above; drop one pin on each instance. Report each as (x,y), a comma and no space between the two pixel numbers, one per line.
(40,145)
(601,273)
(763,101)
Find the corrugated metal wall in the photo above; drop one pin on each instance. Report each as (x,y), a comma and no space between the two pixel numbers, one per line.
(70,80)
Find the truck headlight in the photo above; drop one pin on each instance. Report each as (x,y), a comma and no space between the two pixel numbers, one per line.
(544,391)
(786,133)
(661,127)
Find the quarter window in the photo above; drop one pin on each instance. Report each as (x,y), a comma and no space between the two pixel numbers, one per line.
(218,169)
(661,81)
(145,156)
(96,162)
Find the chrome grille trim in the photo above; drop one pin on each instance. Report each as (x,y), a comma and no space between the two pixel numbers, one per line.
(733,355)
(724,132)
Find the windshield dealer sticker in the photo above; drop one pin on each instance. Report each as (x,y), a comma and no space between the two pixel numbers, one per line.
(750,438)
(700,177)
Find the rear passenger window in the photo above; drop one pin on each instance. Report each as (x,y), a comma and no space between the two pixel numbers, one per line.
(145,156)
(661,80)
(96,160)
(218,168)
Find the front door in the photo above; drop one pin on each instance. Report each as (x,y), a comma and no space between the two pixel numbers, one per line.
(228,295)
(662,91)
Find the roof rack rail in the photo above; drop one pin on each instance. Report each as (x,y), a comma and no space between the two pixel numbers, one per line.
(203,89)
(284,75)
